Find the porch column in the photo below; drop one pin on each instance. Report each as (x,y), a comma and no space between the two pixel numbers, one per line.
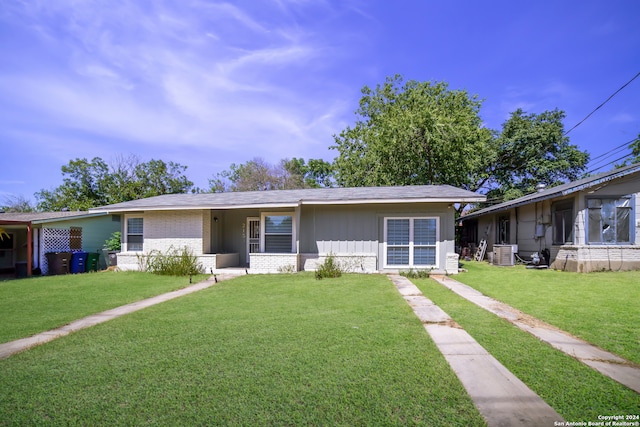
(29,248)
(297,231)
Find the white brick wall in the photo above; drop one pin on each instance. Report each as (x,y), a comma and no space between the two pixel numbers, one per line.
(273,263)
(184,227)
(357,263)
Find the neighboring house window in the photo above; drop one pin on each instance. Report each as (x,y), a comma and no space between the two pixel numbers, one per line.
(411,242)
(135,228)
(278,233)
(609,220)
(503,229)
(563,222)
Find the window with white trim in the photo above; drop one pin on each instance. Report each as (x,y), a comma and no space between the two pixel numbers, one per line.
(135,228)
(278,233)
(610,221)
(411,242)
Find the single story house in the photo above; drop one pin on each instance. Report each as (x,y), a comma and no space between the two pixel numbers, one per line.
(592,224)
(367,229)
(28,236)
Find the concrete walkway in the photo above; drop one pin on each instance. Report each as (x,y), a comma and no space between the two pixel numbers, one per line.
(501,398)
(615,367)
(13,347)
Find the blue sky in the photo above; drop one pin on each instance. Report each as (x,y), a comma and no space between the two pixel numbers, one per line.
(207,83)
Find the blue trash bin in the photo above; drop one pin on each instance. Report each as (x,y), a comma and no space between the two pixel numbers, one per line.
(78,261)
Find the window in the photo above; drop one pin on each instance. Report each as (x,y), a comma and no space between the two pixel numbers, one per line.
(609,221)
(278,234)
(411,242)
(134,234)
(563,222)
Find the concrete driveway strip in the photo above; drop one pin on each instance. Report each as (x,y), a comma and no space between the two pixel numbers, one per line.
(501,398)
(609,364)
(13,347)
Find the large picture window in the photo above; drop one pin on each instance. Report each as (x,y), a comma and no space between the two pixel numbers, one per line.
(563,222)
(135,228)
(410,242)
(278,234)
(609,221)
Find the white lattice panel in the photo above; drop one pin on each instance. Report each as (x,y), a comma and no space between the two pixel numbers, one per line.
(53,240)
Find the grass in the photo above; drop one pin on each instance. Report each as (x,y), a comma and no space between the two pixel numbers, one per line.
(33,305)
(601,308)
(574,390)
(255,350)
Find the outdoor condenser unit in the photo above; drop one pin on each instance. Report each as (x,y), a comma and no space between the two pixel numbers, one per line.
(504,255)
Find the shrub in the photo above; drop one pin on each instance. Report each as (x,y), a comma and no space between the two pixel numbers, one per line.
(174,262)
(329,268)
(289,268)
(416,274)
(113,242)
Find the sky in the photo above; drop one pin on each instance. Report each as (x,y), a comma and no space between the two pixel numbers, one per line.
(207,83)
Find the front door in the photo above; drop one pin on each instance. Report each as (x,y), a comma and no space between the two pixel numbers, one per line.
(253,237)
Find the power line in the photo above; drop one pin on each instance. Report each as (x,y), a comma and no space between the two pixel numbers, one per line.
(600,106)
(610,163)
(624,144)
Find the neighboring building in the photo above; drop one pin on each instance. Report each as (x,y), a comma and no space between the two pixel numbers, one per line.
(30,235)
(367,229)
(588,225)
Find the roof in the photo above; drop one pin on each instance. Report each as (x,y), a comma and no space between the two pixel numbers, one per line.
(42,217)
(560,190)
(292,198)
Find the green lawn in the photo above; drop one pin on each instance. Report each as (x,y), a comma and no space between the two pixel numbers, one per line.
(29,306)
(601,308)
(256,350)
(574,390)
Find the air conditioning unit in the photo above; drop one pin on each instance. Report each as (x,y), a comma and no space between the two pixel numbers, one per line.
(503,255)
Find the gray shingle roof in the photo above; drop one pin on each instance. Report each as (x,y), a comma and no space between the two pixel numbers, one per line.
(560,190)
(352,195)
(38,217)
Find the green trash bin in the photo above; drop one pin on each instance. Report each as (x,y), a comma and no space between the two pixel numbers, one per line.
(92,261)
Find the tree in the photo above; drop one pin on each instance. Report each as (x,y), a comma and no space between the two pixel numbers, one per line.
(16,203)
(531,150)
(634,157)
(259,175)
(315,174)
(413,133)
(424,133)
(88,184)
(156,177)
(84,187)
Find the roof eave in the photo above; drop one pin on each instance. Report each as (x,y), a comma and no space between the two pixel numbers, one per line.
(498,208)
(107,210)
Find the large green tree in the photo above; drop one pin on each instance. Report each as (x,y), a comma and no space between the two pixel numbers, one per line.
(532,149)
(425,133)
(413,133)
(91,183)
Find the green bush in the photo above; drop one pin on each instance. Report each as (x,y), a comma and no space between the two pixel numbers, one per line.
(416,274)
(174,262)
(113,242)
(329,268)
